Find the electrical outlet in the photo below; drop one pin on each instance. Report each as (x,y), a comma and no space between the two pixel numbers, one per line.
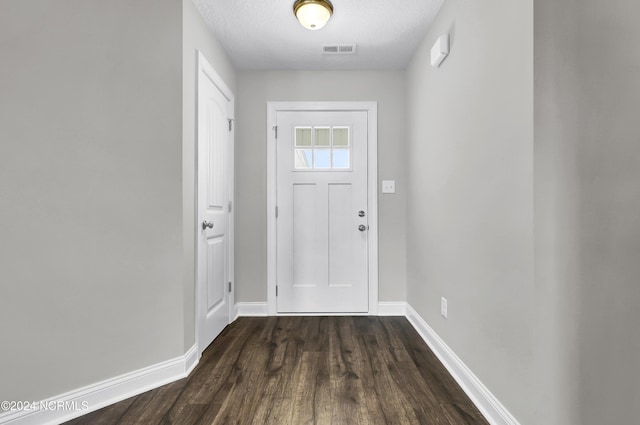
(443,307)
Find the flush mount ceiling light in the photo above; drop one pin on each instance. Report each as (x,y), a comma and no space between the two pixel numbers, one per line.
(313,14)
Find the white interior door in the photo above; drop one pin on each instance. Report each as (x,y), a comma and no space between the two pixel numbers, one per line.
(322,229)
(214,181)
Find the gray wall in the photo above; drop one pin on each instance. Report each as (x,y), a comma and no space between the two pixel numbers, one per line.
(254,90)
(90,191)
(470,192)
(556,201)
(196,36)
(587,166)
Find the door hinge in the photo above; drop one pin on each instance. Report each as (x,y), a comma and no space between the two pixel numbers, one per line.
(275,128)
(230,205)
(229,286)
(231,120)
(276,212)
(276,290)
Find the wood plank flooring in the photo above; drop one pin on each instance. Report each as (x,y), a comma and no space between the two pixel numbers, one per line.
(306,370)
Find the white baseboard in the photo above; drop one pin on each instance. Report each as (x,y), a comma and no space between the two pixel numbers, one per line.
(480,395)
(191,360)
(73,404)
(258,309)
(393,308)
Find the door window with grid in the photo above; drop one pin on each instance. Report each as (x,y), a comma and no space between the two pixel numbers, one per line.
(322,148)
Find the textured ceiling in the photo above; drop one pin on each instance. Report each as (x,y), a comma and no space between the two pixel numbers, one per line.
(264,34)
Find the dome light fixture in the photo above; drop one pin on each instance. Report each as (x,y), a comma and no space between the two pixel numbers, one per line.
(313,14)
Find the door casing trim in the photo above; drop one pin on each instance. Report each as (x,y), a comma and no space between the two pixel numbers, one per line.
(371,108)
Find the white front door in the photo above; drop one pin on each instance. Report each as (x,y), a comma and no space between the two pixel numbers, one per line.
(214,145)
(322,225)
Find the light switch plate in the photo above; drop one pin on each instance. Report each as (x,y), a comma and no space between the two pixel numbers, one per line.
(388,186)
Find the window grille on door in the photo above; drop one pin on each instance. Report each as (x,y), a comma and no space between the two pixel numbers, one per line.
(322,148)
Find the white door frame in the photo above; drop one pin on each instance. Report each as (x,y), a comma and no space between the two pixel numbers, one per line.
(205,70)
(372,163)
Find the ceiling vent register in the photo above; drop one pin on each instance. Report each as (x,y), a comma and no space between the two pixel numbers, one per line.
(339,49)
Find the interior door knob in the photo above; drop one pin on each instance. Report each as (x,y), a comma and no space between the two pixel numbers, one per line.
(362,227)
(206,224)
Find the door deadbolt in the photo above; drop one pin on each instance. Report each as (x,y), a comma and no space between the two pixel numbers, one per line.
(360,213)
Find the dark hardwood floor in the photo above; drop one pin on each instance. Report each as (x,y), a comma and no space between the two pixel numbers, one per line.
(306,370)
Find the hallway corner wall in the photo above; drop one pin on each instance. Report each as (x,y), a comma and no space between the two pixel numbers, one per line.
(90,192)
(470,192)
(587,149)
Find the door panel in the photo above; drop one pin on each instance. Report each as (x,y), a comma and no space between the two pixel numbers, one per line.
(214,144)
(217,134)
(307,236)
(215,274)
(341,243)
(322,255)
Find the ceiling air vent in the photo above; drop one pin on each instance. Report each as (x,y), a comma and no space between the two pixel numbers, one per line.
(339,49)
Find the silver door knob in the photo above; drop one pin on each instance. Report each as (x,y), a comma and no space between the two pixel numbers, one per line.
(206,224)
(360,213)
(362,227)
